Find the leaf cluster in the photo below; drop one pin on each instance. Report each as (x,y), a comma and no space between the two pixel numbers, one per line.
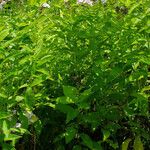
(75,76)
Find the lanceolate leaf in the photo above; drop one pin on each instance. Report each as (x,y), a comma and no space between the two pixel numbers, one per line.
(3,34)
(87,141)
(125,144)
(70,134)
(68,110)
(70,92)
(106,135)
(138,145)
(4,115)
(12,137)
(29,98)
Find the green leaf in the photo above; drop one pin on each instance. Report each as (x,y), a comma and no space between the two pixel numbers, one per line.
(87,141)
(45,72)
(71,115)
(145,60)
(59,77)
(24,60)
(3,34)
(3,95)
(4,126)
(125,144)
(70,92)
(70,134)
(37,81)
(84,95)
(106,135)
(19,98)
(29,98)
(115,72)
(64,100)
(32,2)
(138,145)
(2,136)
(92,118)
(5,129)
(77,147)
(24,120)
(97,146)
(111,113)
(71,112)
(12,137)
(4,115)
(38,127)
(113,144)
(7,146)
(146,88)
(44,60)
(133,8)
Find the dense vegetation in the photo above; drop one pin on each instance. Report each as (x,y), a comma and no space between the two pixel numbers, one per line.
(75,76)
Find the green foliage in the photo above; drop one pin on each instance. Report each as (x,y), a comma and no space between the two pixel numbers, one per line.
(75,76)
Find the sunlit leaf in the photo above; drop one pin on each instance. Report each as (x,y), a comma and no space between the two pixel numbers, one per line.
(4,115)
(64,100)
(106,135)
(12,137)
(138,145)
(37,81)
(3,34)
(70,92)
(125,144)
(5,129)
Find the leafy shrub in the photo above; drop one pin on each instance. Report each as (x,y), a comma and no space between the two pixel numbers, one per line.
(75,76)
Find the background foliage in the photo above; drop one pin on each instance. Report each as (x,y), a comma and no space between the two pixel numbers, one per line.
(75,76)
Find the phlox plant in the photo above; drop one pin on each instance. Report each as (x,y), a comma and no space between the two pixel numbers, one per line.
(75,76)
